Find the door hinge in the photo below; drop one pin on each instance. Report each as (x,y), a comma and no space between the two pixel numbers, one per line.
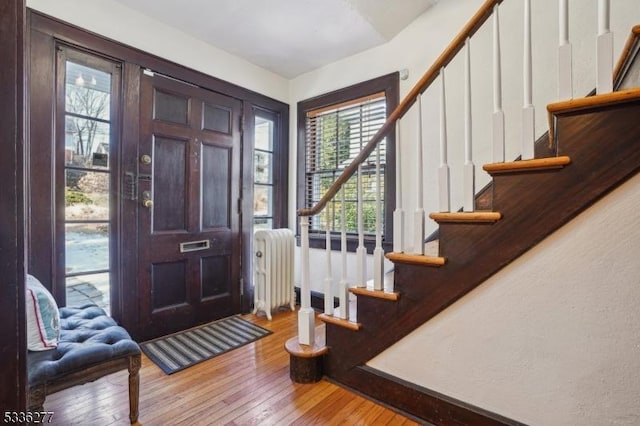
(241,121)
(239,205)
(241,286)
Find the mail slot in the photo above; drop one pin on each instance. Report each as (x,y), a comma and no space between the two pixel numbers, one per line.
(194,246)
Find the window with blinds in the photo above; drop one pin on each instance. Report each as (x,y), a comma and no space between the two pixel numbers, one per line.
(333,129)
(335,136)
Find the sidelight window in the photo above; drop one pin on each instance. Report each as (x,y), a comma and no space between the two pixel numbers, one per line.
(87,163)
(269,170)
(263,202)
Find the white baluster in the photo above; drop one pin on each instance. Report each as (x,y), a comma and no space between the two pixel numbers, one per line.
(528,110)
(604,79)
(418,216)
(343,286)
(328,281)
(565,65)
(468,204)
(361,251)
(398,213)
(498,113)
(306,316)
(444,189)
(378,252)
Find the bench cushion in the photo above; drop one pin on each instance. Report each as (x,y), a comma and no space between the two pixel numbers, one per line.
(88,337)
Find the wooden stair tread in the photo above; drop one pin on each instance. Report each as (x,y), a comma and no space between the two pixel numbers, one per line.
(318,348)
(528,165)
(379,294)
(589,102)
(416,259)
(355,326)
(604,99)
(466,217)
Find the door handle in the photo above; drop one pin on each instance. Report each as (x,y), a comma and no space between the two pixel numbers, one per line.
(146,199)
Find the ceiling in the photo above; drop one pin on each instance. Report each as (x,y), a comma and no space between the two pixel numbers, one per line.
(288,37)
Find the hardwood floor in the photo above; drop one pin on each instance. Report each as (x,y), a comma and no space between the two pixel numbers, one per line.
(247,386)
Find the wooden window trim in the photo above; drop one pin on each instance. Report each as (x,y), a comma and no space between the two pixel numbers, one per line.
(389,85)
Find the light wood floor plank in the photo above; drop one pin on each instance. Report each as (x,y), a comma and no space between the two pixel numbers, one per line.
(247,386)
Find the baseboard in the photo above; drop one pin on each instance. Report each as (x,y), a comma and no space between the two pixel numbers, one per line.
(317,300)
(417,401)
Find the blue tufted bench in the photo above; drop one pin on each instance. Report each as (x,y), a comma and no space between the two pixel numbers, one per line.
(91,346)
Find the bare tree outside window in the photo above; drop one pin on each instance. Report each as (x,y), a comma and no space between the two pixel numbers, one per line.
(86,102)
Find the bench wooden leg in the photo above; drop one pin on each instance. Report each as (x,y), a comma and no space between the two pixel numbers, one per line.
(134,387)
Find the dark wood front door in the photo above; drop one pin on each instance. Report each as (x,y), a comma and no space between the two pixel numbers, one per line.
(188,193)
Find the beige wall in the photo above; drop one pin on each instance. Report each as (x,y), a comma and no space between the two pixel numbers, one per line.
(552,339)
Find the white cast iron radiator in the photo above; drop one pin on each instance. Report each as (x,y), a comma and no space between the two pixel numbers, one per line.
(273,270)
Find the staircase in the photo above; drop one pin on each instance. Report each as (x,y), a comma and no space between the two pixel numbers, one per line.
(592,147)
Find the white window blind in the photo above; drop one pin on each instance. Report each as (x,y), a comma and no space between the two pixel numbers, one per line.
(335,135)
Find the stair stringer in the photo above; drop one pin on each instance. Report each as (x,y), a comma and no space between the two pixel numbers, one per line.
(604,149)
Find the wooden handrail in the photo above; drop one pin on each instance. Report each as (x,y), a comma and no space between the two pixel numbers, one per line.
(626,51)
(429,77)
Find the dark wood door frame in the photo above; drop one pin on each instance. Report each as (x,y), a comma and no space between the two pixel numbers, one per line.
(45,33)
(12,83)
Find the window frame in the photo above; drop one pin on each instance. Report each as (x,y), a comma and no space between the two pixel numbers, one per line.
(389,84)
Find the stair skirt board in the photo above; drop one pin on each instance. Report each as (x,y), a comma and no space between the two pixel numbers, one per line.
(417,402)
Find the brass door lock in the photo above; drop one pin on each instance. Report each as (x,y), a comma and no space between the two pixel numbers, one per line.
(146,199)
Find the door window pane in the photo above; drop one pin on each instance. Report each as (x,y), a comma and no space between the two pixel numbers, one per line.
(88,91)
(262,200)
(86,247)
(263,173)
(85,289)
(86,143)
(263,134)
(86,195)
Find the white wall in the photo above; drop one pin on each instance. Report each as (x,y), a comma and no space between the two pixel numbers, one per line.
(417,47)
(552,339)
(115,21)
